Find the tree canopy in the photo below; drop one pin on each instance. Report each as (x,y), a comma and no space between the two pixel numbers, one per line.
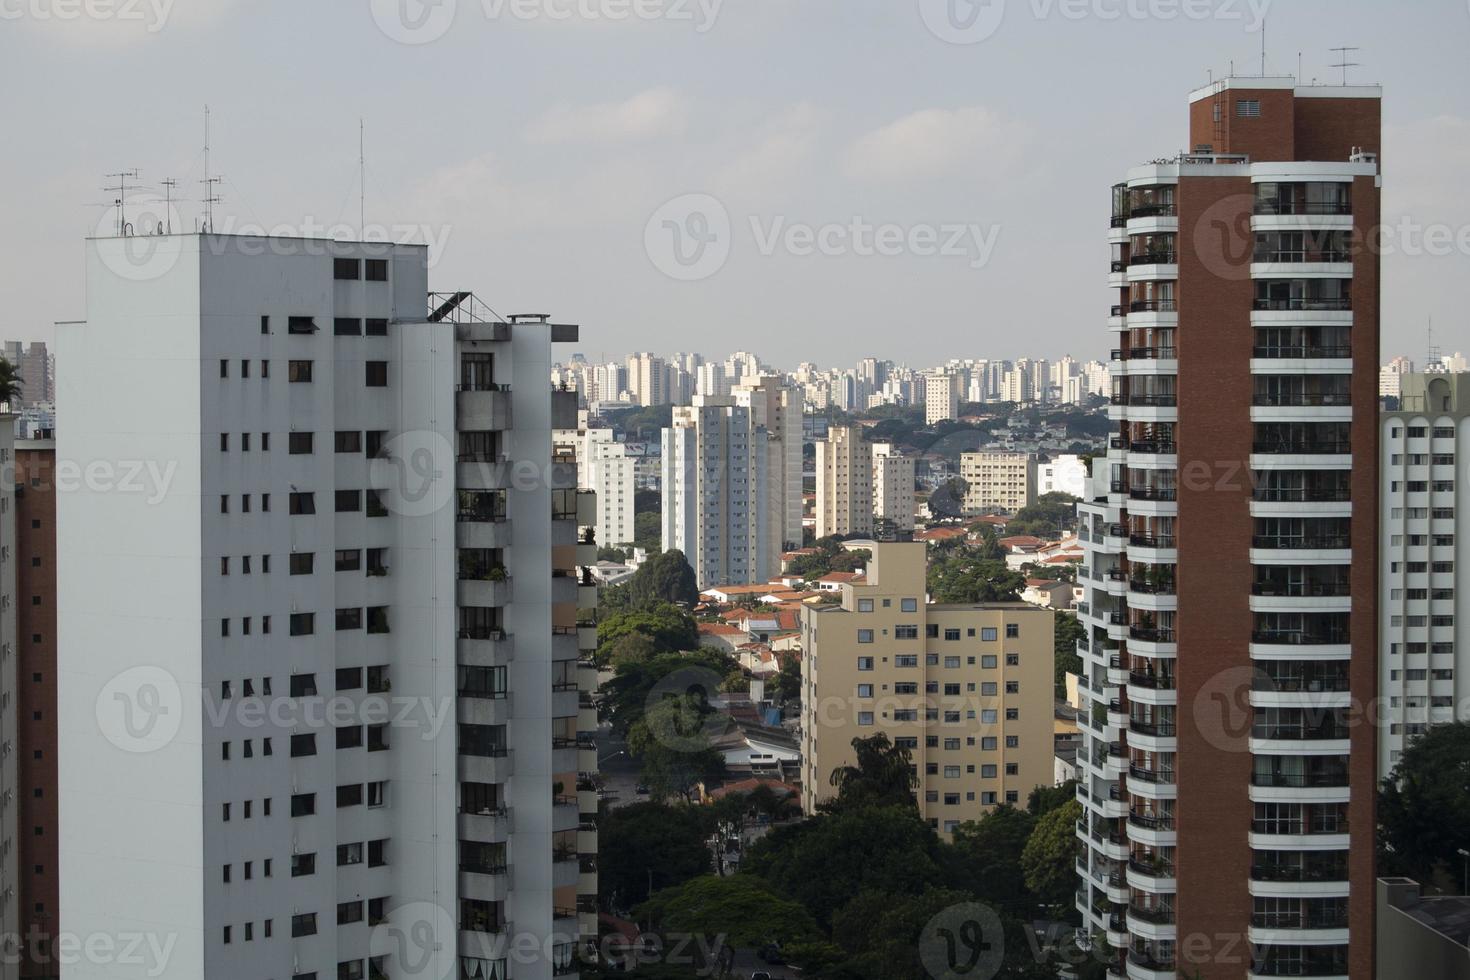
(648,841)
(1424,804)
(1046,516)
(881,775)
(964,577)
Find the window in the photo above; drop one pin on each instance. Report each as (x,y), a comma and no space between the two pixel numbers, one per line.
(298,371)
(377,740)
(1013,630)
(377,853)
(864,663)
(345,269)
(908,605)
(1248,108)
(377,374)
(347,442)
(349,619)
(865,718)
(377,793)
(865,690)
(303,804)
(349,912)
(988,634)
(303,624)
(346,326)
(265,324)
(349,678)
(909,632)
(303,685)
(906,660)
(348,854)
(377,270)
(349,559)
(303,503)
(865,636)
(349,738)
(375,327)
(301,866)
(348,501)
(303,562)
(865,605)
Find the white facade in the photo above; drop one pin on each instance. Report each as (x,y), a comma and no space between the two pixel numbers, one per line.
(941,397)
(998,481)
(716,508)
(844,502)
(1061,474)
(778,408)
(334,527)
(1421,610)
(893,487)
(605,468)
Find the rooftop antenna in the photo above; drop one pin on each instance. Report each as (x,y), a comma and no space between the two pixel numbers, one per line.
(1263,47)
(168,204)
(1344,64)
(1433,351)
(211,183)
(121,200)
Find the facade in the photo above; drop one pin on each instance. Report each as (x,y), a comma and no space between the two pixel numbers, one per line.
(605,468)
(844,483)
(1231,584)
(16,884)
(1063,473)
(966,688)
(37,854)
(35,366)
(716,505)
(777,409)
(998,481)
(1420,935)
(1421,659)
(941,397)
(893,488)
(349,510)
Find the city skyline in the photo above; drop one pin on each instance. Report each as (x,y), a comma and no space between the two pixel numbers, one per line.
(516,202)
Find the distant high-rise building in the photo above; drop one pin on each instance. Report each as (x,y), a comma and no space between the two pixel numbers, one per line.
(1391,375)
(998,481)
(893,488)
(605,468)
(34,365)
(777,409)
(844,483)
(716,492)
(941,397)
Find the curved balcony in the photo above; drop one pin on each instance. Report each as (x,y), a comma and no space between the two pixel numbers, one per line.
(1152,641)
(1299,788)
(1333,549)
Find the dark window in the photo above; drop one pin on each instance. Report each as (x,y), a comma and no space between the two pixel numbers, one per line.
(348,912)
(303,685)
(265,324)
(345,269)
(349,678)
(377,270)
(303,745)
(376,327)
(377,374)
(377,619)
(349,559)
(373,442)
(298,371)
(303,624)
(303,503)
(349,619)
(303,924)
(303,804)
(347,442)
(303,562)
(348,501)
(346,326)
(377,853)
(377,738)
(349,795)
(300,324)
(349,738)
(299,443)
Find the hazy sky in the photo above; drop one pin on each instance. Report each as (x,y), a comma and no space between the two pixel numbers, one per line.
(808,179)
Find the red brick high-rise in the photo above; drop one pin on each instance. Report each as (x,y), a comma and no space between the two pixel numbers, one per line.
(1227,775)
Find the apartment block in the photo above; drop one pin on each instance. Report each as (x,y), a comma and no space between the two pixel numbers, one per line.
(998,481)
(716,492)
(893,488)
(967,689)
(941,398)
(1232,567)
(844,483)
(605,468)
(777,410)
(34,365)
(321,693)
(1420,658)
(37,857)
(16,881)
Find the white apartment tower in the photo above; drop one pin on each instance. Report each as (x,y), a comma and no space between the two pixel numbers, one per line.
(605,468)
(893,488)
(844,483)
(941,397)
(716,506)
(319,678)
(777,408)
(1421,610)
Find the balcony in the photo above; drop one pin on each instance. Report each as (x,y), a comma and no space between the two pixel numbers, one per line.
(1300,780)
(1300,637)
(1153,306)
(1302,207)
(1304,352)
(1303,304)
(1164,776)
(1302,495)
(1303,447)
(1285,542)
(1152,682)
(482,407)
(1162,494)
(1153,258)
(1157,541)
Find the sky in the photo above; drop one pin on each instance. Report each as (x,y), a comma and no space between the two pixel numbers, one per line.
(811,180)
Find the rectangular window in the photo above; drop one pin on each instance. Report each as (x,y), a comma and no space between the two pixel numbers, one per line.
(303,624)
(299,443)
(346,326)
(303,562)
(345,269)
(298,371)
(908,605)
(377,374)
(864,663)
(375,327)
(865,636)
(377,270)
(349,619)
(300,325)
(348,501)
(303,503)
(349,441)
(988,634)
(349,559)
(1248,108)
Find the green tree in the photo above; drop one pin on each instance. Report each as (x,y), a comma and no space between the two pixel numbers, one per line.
(10,386)
(1045,799)
(964,578)
(636,684)
(1065,660)
(648,841)
(611,553)
(1050,856)
(788,681)
(991,848)
(742,908)
(948,500)
(882,775)
(667,626)
(673,749)
(663,578)
(648,532)
(1424,805)
(1046,516)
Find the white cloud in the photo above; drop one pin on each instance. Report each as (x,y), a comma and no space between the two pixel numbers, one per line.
(937,143)
(652,113)
(780,151)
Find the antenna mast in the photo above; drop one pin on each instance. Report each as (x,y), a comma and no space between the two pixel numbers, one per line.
(168,204)
(1344,64)
(121,200)
(210,182)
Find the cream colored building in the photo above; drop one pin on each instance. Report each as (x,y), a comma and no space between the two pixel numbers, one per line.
(967,688)
(998,481)
(893,487)
(844,483)
(941,398)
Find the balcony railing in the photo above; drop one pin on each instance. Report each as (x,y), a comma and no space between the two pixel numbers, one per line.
(1164,776)
(1153,306)
(1317,542)
(1153,258)
(1299,638)
(1304,304)
(1305,447)
(1303,207)
(1287,872)
(1153,682)
(1297,495)
(1156,447)
(1153,493)
(1151,540)
(1302,590)
(1304,351)
(1300,733)
(1151,634)
(1301,255)
(1300,780)
(1302,399)
(1152,211)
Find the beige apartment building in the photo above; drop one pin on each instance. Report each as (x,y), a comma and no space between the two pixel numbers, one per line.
(966,688)
(941,398)
(998,481)
(844,483)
